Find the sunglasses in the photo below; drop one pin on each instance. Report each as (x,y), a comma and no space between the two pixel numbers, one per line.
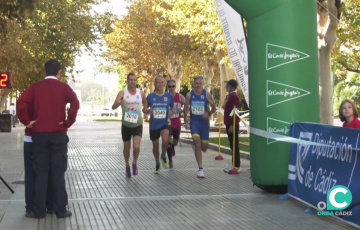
(171,86)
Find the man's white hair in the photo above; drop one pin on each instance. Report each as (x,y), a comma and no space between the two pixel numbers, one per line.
(198,77)
(158,76)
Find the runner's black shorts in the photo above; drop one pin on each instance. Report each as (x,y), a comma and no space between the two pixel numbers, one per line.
(175,132)
(155,134)
(128,132)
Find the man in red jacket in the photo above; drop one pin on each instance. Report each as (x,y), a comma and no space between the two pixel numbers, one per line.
(232,100)
(49,126)
(30,173)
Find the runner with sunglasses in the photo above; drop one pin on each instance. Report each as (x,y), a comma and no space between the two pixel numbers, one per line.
(179,100)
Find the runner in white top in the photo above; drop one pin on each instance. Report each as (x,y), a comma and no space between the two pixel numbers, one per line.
(131,101)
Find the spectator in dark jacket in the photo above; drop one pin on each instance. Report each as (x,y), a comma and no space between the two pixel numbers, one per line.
(231,101)
(30,173)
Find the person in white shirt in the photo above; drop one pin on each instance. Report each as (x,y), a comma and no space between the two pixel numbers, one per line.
(13,113)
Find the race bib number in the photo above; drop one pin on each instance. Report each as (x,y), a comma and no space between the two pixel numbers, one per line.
(160,112)
(176,110)
(131,116)
(176,113)
(198,108)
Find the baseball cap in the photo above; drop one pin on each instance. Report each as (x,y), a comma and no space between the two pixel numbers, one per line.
(232,83)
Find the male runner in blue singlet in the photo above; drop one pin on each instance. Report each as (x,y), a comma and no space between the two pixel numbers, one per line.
(161,105)
(198,99)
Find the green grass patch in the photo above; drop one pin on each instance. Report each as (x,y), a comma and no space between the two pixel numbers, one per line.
(225,142)
(106,118)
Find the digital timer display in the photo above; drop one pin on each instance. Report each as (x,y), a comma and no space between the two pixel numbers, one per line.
(5,82)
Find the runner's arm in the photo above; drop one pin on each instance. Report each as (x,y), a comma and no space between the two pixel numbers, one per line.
(149,104)
(182,99)
(118,100)
(182,102)
(211,103)
(172,107)
(186,106)
(144,102)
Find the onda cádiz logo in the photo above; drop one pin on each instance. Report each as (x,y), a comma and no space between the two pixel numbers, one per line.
(338,199)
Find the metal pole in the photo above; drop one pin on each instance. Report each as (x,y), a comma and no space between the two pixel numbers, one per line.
(234,138)
(6,184)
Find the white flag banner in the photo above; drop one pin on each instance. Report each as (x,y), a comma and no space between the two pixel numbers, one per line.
(233,28)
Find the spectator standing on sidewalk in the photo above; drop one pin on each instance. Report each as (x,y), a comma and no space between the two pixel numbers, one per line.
(232,100)
(30,173)
(12,110)
(50,141)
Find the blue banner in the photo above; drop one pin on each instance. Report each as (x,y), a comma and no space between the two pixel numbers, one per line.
(315,170)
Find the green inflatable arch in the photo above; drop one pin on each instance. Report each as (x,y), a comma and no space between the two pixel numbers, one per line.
(283,80)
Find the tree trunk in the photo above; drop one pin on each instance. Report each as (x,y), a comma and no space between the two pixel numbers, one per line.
(208,67)
(178,83)
(326,43)
(220,55)
(152,83)
(147,90)
(326,86)
(174,70)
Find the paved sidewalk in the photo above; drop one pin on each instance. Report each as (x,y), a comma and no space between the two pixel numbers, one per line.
(101,197)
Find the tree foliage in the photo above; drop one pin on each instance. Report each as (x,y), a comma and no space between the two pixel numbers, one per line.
(14,10)
(346,54)
(198,20)
(56,29)
(177,39)
(338,36)
(349,88)
(157,37)
(142,42)
(91,91)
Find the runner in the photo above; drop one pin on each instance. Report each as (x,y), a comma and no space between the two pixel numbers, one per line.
(161,105)
(198,99)
(131,101)
(179,101)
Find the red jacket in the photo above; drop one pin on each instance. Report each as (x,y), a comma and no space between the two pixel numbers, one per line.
(355,124)
(49,98)
(231,100)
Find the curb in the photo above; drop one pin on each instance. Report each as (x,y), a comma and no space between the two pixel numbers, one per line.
(223,149)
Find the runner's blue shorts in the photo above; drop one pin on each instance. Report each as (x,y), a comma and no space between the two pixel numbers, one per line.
(200,129)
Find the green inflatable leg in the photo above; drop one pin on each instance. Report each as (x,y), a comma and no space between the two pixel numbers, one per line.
(283,80)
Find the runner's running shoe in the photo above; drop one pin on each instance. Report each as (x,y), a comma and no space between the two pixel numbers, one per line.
(128,172)
(157,169)
(135,169)
(201,174)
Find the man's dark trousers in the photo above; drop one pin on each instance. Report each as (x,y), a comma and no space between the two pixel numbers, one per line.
(14,120)
(237,150)
(50,150)
(30,180)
